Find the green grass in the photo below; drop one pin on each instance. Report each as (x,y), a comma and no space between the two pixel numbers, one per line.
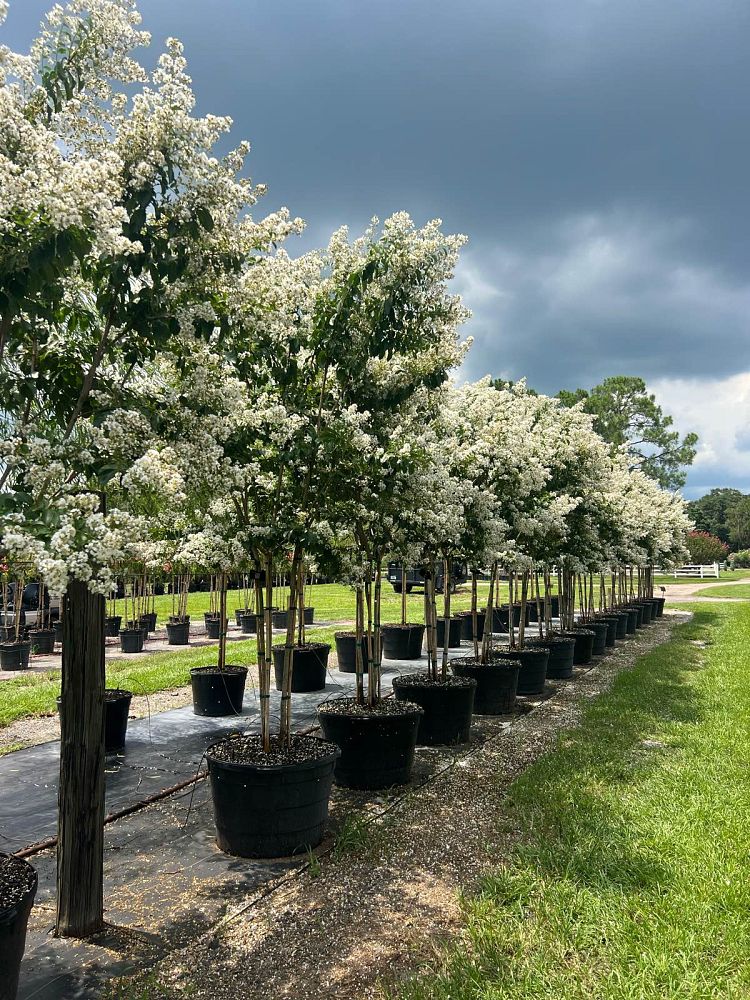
(731,590)
(31,695)
(333,602)
(630,881)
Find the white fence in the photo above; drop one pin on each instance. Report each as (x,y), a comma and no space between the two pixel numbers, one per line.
(709,570)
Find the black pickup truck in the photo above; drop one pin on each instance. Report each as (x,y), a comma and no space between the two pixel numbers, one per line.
(415,577)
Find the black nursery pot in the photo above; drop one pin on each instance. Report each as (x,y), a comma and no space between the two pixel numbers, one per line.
(248,623)
(377,745)
(213,627)
(647,611)
(533,614)
(561,650)
(467,624)
(455,628)
(659,602)
(402,642)
(148,621)
(346,652)
(14,655)
(447,705)
(14,919)
(634,619)
(611,621)
(272,810)
(131,640)
(240,612)
(116,712)
(279,619)
(309,615)
(584,645)
(497,683)
(533,672)
(623,618)
(600,629)
(309,665)
(218,692)
(112,626)
(178,633)
(42,640)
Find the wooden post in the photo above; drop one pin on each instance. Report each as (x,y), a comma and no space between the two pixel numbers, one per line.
(80,822)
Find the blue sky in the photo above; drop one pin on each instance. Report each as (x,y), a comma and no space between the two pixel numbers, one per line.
(595,152)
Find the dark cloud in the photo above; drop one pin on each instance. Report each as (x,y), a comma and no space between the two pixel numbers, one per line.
(596,153)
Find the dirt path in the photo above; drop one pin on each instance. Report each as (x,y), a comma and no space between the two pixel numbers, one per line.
(677,592)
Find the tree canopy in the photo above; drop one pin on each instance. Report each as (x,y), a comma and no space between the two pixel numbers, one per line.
(627,415)
(725,513)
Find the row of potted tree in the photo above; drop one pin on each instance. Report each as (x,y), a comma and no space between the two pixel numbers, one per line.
(177,387)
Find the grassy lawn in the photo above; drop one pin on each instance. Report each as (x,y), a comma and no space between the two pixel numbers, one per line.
(731,590)
(631,878)
(34,694)
(333,602)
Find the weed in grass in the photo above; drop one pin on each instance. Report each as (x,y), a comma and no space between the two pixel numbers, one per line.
(356,836)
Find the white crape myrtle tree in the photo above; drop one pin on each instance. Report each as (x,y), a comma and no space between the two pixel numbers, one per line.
(119,228)
(334,347)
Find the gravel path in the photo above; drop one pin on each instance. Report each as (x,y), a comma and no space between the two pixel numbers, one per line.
(357,918)
(685,591)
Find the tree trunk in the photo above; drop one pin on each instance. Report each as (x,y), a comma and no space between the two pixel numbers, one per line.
(80,823)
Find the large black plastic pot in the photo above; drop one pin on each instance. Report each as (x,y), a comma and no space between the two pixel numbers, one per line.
(309,665)
(402,642)
(309,616)
(131,640)
(346,652)
(14,919)
(647,611)
(660,602)
(634,619)
(248,623)
(447,705)
(533,616)
(600,630)
(178,633)
(148,621)
(240,612)
(623,618)
(14,655)
(497,683)
(279,619)
(584,645)
(467,625)
(500,617)
(42,640)
(454,633)
(533,672)
(275,809)
(611,621)
(213,627)
(377,745)
(112,626)
(561,649)
(116,712)
(218,692)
